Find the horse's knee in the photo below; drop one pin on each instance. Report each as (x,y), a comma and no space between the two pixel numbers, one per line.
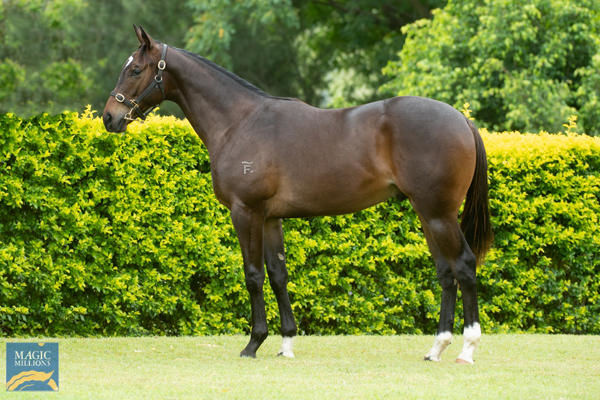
(255,279)
(278,279)
(278,274)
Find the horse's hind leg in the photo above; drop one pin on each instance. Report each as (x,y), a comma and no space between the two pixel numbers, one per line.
(448,304)
(278,277)
(455,263)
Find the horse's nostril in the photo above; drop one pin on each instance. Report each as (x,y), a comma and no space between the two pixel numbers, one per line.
(107,118)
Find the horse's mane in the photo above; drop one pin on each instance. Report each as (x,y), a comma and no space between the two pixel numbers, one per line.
(244,83)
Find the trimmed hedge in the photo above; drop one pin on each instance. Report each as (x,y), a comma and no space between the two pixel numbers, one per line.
(108,234)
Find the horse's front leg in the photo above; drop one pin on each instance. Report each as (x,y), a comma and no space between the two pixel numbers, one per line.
(278,277)
(249,225)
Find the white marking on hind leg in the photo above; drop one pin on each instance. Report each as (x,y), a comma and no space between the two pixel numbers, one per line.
(286,347)
(442,340)
(472,334)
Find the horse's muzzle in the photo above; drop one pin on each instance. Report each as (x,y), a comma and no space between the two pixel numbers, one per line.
(113,123)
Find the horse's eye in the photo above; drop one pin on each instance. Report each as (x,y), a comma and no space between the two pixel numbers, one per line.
(136,71)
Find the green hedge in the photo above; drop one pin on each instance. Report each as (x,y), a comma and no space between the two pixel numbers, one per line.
(108,234)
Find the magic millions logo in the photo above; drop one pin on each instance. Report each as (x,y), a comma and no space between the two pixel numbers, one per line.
(31,366)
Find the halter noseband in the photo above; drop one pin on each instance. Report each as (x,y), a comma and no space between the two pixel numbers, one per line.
(134,105)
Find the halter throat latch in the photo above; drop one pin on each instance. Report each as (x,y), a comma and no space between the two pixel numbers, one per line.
(134,104)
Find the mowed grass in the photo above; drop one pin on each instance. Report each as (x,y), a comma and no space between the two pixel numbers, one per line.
(328,367)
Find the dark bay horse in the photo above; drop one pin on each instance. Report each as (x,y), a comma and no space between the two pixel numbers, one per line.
(274,158)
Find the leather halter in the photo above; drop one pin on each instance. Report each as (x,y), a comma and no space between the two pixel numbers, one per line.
(134,105)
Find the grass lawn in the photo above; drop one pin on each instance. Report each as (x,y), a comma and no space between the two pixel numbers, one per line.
(329,367)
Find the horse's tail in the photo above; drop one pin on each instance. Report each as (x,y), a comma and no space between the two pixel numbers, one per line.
(476,222)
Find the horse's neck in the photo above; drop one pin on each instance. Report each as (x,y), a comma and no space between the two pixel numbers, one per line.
(211,101)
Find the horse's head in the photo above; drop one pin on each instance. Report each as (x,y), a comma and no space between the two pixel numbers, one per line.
(140,87)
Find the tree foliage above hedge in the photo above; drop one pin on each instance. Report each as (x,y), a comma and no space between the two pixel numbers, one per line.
(522,66)
(58,55)
(111,234)
(64,54)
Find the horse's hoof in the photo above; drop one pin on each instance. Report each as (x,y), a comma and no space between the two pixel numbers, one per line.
(461,361)
(430,358)
(247,354)
(286,354)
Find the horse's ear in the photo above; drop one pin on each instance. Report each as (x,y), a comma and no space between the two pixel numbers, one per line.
(143,37)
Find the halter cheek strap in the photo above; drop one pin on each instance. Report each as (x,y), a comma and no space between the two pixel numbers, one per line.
(134,104)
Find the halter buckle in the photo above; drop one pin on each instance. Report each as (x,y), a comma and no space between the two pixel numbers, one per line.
(162,64)
(119,97)
(135,109)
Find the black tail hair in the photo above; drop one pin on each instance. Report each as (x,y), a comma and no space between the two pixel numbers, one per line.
(476,221)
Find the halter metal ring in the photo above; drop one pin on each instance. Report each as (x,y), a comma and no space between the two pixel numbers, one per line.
(119,97)
(162,64)
(158,79)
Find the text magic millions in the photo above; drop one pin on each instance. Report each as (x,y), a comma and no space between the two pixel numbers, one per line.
(38,358)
